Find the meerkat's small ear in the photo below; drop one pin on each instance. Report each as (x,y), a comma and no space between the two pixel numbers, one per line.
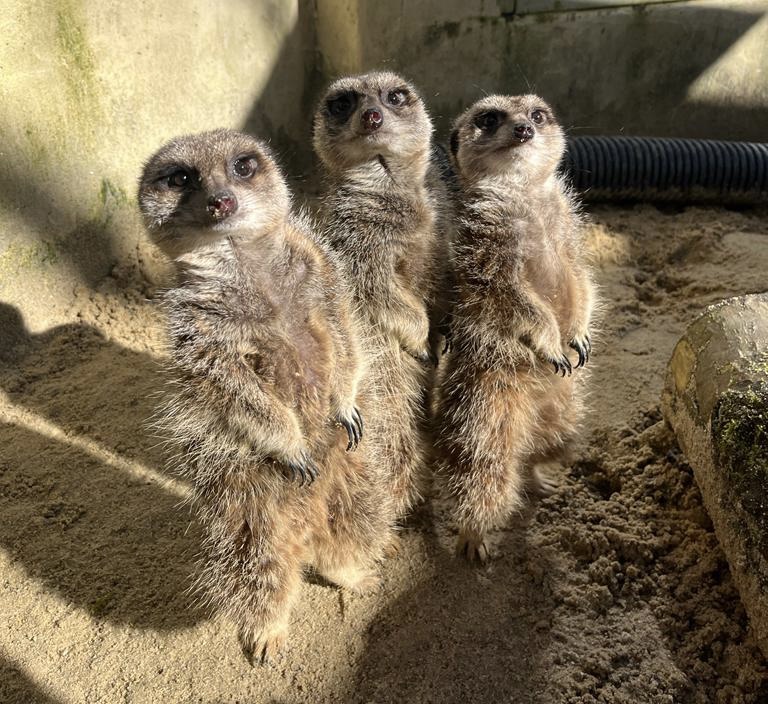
(454,143)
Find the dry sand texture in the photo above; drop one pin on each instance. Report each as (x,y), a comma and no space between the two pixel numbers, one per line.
(613,590)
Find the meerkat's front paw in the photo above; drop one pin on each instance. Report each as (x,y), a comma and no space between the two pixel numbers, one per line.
(263,647)
(447,342)
(392,548)
(352,422)
(561,364)
(542,484)
(425,356)
(303,468)
(445,329)
(472,547)
(359,580)
(363,583)
(583,346)
(547,346)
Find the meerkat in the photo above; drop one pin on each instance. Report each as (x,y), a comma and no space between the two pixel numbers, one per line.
(381,212)
(524,298)
(265,367)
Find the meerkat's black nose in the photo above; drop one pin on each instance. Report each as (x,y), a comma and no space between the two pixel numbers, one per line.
(523,131)
(222,205)
(372,120)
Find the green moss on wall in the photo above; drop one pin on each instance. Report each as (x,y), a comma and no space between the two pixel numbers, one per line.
(19,257)
(78,64)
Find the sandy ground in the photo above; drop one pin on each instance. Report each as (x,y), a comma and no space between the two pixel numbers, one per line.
(612,590)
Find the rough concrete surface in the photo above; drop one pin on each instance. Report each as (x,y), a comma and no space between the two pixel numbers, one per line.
(716,399)
(613,591)
(674,69)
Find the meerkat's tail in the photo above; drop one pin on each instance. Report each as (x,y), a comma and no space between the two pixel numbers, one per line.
(251,563)
(487,434)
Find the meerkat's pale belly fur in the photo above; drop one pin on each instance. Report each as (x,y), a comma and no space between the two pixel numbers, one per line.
(267,318)
(502,409)
(386,236)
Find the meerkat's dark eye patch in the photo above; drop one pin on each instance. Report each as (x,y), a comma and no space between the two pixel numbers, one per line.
(341,106)
(539,116)
(454,142)
(398,97)
(489,120)
(178,178)
(245,166)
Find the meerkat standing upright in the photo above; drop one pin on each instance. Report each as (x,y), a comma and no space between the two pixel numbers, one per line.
(265,364)
(373,136)
(523,296)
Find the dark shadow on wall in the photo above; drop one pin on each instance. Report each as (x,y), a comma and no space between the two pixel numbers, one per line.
(291,141)
(16,687)
(62,231)
(113,542)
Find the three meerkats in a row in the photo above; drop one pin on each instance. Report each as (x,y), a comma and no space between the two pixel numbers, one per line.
(304,359)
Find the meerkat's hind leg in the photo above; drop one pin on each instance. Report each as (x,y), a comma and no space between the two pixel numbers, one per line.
(541,483)
(472,546)
(263,647)
(356,578)
(393,546)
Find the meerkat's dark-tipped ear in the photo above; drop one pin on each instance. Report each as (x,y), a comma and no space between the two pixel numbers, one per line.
(454,142)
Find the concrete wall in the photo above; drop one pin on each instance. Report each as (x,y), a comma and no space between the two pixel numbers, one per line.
(88,90)
(696,69)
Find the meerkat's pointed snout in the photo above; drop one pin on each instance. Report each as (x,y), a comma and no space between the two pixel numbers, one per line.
(372,119)
(222,204)
(523,131)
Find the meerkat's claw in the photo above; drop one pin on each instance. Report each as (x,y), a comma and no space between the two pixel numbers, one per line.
(473,549)
(581,345)
(359,419)
(353,424)
(562,365)
(444,328)
(262,649)
(426,356)
(303,468)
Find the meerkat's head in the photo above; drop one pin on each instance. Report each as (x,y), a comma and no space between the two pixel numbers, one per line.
(371,117)
(507,135)
(201,188)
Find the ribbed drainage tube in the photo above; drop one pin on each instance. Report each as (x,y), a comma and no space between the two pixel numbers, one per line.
(660,169)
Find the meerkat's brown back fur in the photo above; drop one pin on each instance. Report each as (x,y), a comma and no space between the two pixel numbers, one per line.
(372,134)
(266,367)
(523,300)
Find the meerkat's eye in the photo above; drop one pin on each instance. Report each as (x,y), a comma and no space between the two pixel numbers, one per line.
(179,179)
(538,116)
(244,166)
(397,97)
(342,105)
(489,121)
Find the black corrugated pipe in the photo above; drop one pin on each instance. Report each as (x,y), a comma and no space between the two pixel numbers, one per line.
(656,169)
